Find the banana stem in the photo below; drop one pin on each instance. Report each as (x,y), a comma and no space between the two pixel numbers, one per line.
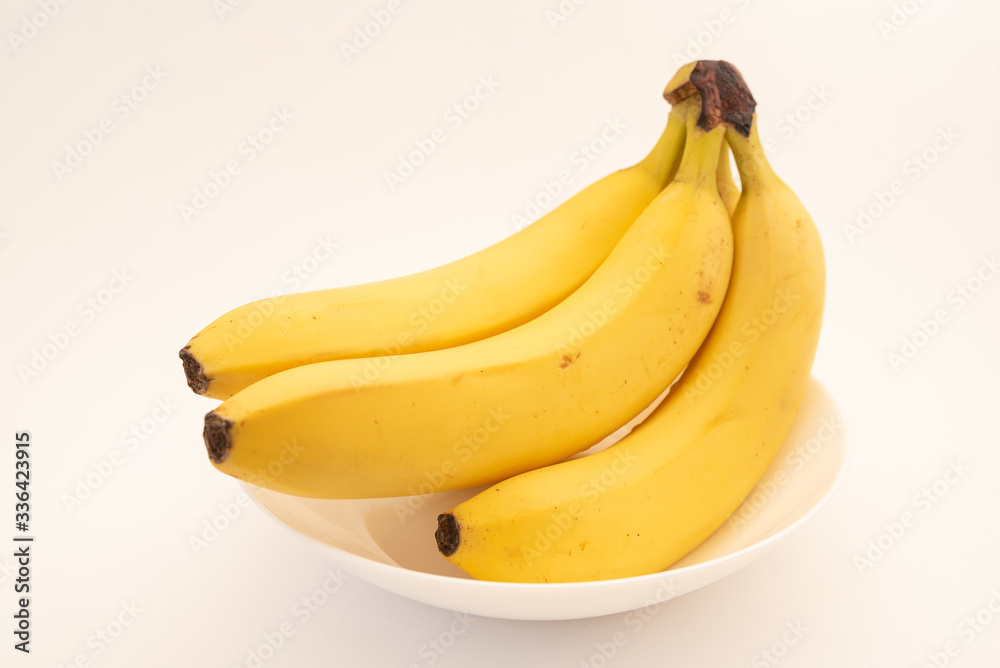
(662,162)
(726,100)
(728,190)
(750,159)
(701,153)
(725,97)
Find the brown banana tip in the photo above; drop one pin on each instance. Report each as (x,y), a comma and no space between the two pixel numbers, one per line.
(194,372)
(218,440)
(725,96)
(447,534)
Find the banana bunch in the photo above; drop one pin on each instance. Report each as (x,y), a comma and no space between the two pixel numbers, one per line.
(660,275)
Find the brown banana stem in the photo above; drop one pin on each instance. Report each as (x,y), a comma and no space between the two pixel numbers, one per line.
(724,94)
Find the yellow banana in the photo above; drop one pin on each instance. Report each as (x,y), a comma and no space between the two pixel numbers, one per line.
(528,397)
(486,293)
(728,190)
(646,501)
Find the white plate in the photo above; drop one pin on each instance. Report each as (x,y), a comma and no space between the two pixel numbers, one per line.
(390,542)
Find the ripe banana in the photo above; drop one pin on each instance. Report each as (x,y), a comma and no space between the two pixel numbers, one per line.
(728,190)
(646,501)
(486,293)
(528,397)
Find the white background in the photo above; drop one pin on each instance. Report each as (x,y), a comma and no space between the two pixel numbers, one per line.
(868,100)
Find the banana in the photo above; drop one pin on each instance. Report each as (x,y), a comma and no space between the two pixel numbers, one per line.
(728,190)
(486,293)
(529,397)
(646,501)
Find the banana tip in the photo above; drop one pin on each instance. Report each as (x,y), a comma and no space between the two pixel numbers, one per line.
(447,534)
(194,371)
(217,437)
